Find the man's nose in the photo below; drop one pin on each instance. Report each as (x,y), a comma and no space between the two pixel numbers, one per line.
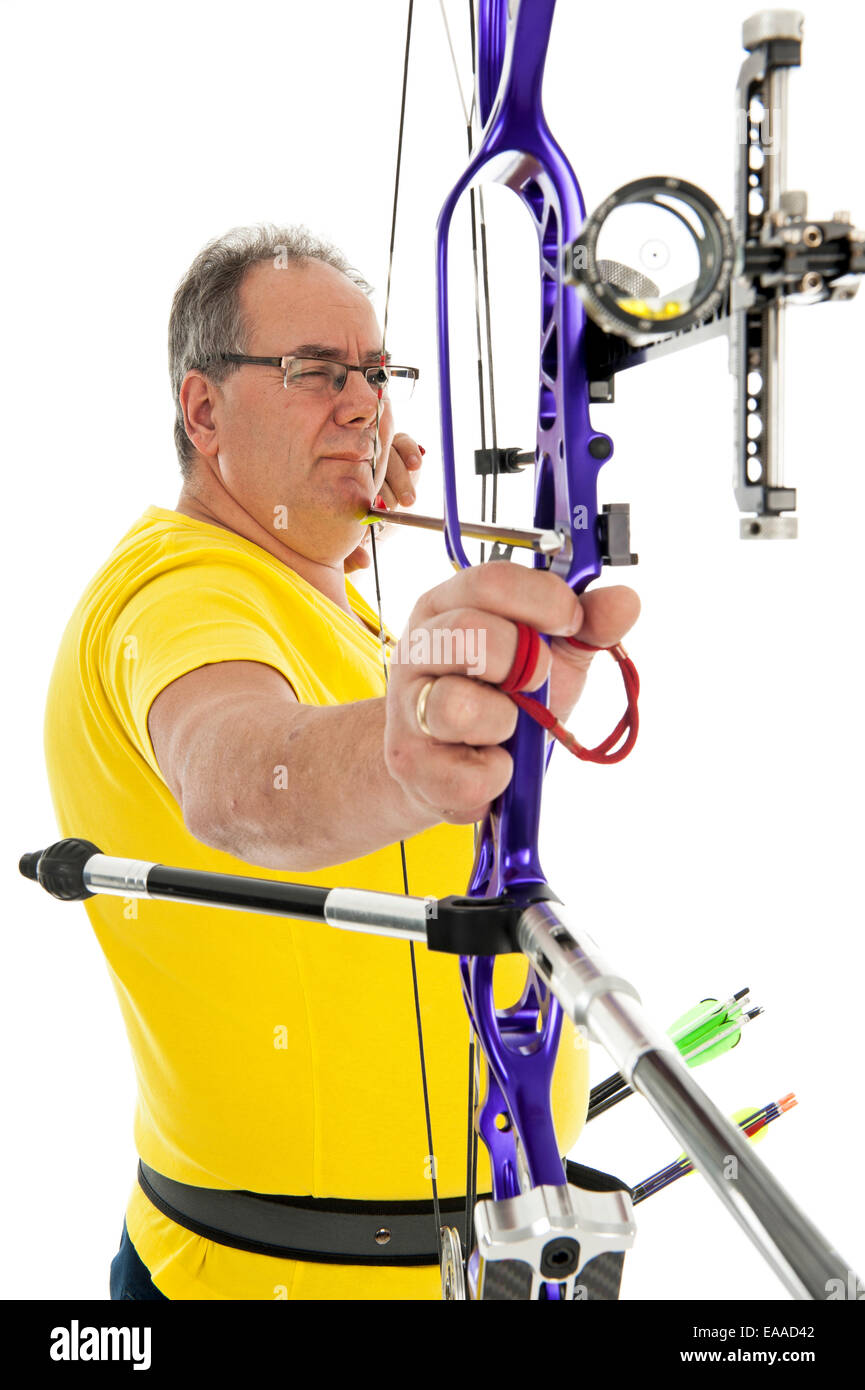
(357,401)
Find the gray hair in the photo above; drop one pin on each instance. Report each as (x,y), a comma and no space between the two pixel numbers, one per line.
(206,318)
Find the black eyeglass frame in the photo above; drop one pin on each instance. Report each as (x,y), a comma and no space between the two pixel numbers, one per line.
(411,374)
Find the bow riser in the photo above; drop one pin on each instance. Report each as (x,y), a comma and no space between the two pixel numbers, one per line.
(518,151)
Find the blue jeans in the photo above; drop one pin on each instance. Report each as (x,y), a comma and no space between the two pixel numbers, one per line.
(130,1277)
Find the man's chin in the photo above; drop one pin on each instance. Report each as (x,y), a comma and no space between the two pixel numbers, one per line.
(356,496)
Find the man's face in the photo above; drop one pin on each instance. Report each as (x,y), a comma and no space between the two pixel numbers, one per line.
(301,465)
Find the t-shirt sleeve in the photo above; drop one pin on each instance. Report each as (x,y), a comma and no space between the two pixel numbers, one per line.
(189,616)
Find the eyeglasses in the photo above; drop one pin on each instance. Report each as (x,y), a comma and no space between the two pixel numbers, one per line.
(320,376)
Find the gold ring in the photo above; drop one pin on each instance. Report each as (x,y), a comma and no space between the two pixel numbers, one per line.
(420,709)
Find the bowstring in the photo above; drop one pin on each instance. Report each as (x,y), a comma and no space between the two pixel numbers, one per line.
(485,374)
(383,640)
(486,410)
(484,338)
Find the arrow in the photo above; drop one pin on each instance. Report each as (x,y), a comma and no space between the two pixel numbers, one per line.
(701,1034)
(753,1124)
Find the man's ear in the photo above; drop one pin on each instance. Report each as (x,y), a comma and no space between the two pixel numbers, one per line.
(197,400)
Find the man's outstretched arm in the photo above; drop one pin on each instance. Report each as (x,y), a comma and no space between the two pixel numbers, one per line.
(293,787)
(273,782)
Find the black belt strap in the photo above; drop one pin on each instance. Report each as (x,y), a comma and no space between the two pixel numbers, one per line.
(303,1228)
(326,1231)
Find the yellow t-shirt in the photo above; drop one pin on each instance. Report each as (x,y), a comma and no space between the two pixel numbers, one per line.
(271,1055)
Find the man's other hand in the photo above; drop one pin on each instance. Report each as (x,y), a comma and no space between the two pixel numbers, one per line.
(398,490)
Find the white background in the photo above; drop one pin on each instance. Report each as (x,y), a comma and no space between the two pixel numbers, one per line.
(726,851)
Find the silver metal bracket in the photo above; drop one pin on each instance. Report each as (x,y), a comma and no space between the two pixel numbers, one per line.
(548,1235)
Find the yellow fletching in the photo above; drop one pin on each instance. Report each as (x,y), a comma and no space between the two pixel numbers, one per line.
(741,1115)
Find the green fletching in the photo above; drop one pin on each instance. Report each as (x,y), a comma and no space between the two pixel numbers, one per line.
(695,1020)
(696,1028)
(715,1049)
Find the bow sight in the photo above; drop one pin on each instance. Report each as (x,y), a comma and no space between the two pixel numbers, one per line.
(716,278)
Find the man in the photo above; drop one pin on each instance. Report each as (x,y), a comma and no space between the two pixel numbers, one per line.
(219,701)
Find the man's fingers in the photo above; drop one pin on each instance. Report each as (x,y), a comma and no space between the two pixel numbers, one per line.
(467,642)
(388,496)
(403,460)
(409,450)
(456,780)
(459,710)
(446,719)
(536,597)
(462,781)
(608,614)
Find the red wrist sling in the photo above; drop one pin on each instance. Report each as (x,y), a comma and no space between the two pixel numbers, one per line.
(524,663)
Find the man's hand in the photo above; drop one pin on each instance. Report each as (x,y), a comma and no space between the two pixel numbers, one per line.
(462,638)
(607,615)
(404,460)
(219,731)
(398,489)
